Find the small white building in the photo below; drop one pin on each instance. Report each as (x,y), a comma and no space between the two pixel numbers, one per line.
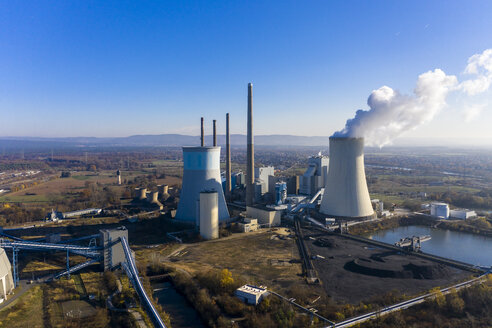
(440,210)
(249,224)
(6,280)
(462,214)
(251,294)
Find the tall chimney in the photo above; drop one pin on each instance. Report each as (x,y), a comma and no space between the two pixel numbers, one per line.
(215,134)
(201,135)
(250,170)
(228,160)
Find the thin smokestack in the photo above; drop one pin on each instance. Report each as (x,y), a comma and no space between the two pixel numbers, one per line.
(215,134)
(202,134)
(250,173)
(228,160)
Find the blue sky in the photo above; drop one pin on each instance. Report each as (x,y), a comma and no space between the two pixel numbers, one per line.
(118,68)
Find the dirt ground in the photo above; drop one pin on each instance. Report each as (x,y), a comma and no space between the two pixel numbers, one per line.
(259,257)
(346,285)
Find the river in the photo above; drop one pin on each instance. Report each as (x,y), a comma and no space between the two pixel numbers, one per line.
(460,246)
(182,314)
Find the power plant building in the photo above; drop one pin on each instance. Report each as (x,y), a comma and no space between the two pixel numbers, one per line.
(346,194)
(209,215)
(440,210)
(462,214)
(315,176)
(6,280)
(201,171)
(114,255)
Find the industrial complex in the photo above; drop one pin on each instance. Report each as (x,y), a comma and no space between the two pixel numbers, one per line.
(310,215)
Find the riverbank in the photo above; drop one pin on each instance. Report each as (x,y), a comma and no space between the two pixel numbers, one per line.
(472,226)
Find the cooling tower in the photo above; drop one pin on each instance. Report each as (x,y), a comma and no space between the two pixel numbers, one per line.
(209,215)
(346,194)
(201,171)
(142,193)
(154,197)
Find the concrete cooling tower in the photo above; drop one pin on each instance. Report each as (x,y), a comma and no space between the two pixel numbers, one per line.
(346,194)
(201,171)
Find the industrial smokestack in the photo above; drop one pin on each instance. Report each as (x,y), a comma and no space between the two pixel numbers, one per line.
(346,194)
(250,174)
(202,135)
(228,160)
(215,133)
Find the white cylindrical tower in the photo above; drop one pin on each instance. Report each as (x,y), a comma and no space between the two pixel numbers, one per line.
(201,171)
(346,194)
(209,215)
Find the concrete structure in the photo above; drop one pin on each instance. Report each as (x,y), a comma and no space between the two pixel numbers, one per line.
(293,185)
(265,216)
(238,180)
(440,210)
(262,175)
(201,171)
(250,164)
(346,194)
(6,280)
(209,215)
(142,193)
(164,191)
(251,294)
(228,189)
(118,177)
(114,255)
(248,225)
(462,214)
(315,176)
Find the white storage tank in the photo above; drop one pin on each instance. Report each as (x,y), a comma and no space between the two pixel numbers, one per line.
(209,214)
(440,210)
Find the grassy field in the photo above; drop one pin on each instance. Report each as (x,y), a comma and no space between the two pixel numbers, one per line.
(25,312)
(248,256)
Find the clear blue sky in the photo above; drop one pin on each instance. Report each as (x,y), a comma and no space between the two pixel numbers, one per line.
(118,68)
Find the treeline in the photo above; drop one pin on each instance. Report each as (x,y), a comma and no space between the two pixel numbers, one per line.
(470,307)
(481,200)
(11,214)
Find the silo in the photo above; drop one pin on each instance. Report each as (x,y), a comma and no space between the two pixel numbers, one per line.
(143,193)
(209,214)
(154,197)
(201,171)
(346,194)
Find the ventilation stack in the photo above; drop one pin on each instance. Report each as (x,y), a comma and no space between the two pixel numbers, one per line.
(346,194)
(201,171)
(250,169)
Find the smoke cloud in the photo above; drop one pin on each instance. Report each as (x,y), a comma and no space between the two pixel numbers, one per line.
(390,113)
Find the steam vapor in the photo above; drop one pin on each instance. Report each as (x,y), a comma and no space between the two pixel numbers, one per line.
(392,113)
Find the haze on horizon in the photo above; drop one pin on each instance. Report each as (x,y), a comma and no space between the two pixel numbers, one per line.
(118,69)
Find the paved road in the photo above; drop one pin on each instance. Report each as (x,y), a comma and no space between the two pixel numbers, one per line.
(24,287)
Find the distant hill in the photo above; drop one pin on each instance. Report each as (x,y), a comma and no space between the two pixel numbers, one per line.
(160,140)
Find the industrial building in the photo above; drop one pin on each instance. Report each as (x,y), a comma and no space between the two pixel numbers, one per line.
(248,225)
(262,175)
(315,176)
(209,214)
(114,255)
(56,215)
(266,216)
(462,214)
(440,210)
(251,294)
(6,280)
(346,194)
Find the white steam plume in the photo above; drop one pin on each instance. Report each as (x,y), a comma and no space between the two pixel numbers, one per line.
(392,113)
